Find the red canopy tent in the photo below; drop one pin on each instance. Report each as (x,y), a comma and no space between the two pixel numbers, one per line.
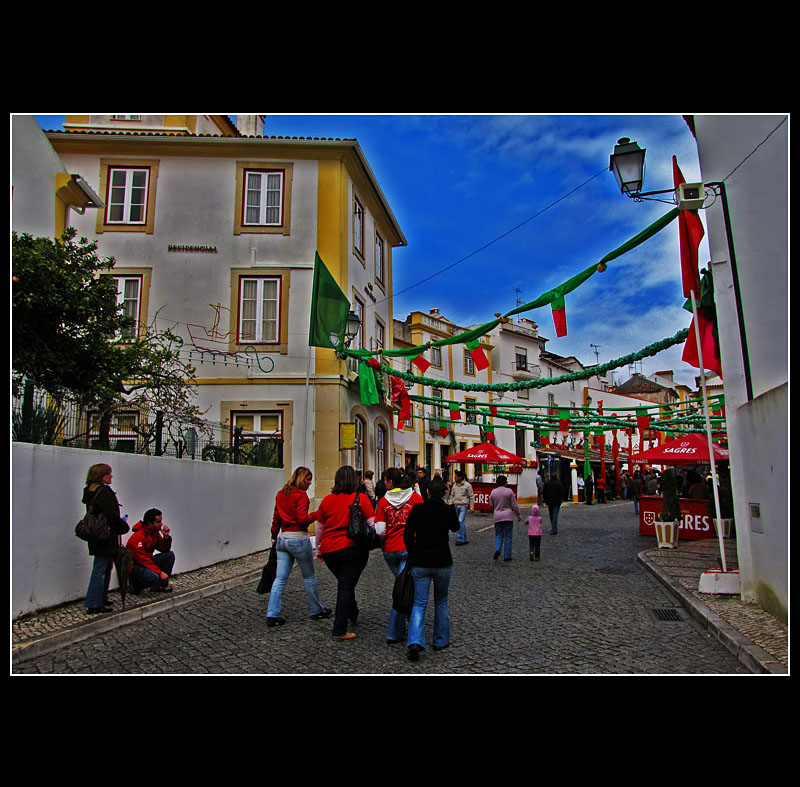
(691,449)
(485,454)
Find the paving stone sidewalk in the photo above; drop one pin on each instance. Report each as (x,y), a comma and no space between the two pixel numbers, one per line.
(755,638)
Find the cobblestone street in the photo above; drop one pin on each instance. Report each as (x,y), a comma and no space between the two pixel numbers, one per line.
(588,607)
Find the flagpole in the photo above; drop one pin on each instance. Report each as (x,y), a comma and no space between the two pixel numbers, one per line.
(708,433)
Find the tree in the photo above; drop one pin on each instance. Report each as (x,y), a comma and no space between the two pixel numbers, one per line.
(64,317)
(66,337)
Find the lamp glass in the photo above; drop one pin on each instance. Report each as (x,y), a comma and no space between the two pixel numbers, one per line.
(353,324)
(627,164)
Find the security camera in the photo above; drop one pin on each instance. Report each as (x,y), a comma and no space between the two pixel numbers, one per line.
(691,196)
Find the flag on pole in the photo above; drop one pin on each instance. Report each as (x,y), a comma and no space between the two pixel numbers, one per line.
(329,309)
(691,233)
(706,319)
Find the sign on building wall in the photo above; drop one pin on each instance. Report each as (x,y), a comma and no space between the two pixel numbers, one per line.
(347,436)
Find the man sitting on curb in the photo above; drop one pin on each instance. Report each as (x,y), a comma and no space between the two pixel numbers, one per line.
(149,570)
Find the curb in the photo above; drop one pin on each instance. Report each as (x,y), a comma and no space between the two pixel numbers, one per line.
(752,656)
(24,651)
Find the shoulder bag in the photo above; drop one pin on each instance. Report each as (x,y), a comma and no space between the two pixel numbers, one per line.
(403,590)
(359,530)
(93,527)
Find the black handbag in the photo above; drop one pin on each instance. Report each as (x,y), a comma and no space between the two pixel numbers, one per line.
(359,530)
(268,572)
(93,527)
(403,590)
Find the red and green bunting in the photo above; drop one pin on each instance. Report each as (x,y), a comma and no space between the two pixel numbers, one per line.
(478,355)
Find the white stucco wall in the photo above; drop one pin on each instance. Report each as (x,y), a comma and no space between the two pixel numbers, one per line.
(215,511)
(750,152)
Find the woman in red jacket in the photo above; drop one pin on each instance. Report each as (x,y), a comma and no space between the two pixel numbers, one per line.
(345,559)
(290,539)
(390,522)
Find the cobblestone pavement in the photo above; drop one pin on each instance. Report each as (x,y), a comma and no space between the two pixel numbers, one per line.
(602,600)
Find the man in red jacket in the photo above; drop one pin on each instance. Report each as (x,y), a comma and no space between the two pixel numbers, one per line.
(150,570)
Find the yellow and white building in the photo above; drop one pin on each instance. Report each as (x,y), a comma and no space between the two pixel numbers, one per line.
(214,229)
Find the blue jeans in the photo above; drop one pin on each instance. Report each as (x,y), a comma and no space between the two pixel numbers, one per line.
(441,616)
(144,577)
(397,620)
(554,510)
(502,533)
(635,505)
(287,551)
(99,581)
(461,536)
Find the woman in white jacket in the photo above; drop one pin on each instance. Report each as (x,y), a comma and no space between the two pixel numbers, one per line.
(390,523)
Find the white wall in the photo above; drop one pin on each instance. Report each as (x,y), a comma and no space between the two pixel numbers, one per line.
(215,511)
(751,153)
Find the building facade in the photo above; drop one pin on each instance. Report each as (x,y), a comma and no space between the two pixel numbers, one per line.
(214,232)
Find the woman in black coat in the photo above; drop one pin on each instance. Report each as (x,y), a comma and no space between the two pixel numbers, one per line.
(427,541)
(99,494)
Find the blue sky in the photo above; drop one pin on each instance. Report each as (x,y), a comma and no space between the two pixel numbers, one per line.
(459,182)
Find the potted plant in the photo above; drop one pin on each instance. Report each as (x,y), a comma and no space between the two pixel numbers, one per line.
(669,520)
(725,503)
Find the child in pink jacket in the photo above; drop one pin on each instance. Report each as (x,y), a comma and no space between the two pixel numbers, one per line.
(534,522)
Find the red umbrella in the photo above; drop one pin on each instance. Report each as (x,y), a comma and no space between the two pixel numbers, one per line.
(485,454)
(691,449)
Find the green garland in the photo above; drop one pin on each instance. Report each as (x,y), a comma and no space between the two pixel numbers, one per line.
(543,382)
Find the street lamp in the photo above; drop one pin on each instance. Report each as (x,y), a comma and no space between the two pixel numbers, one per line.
(351,330)
(627,164)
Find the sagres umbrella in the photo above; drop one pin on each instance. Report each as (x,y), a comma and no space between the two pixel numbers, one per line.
(485,454)
(122,565)
(691,449)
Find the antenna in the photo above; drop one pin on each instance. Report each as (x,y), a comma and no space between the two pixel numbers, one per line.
(596,354)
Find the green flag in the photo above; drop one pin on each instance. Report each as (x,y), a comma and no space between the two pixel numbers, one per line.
(329,309)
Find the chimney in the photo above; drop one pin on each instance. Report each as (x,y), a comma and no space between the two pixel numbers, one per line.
(250,125)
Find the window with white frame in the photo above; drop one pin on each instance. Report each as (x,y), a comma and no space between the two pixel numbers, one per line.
(380,334)
(259,310)
(469,363)
(436,356)
(126,201)
(438,410)
(380,450)
(358,226)
(129,296)
(380,263)
(361,431)
(470,416)
(266,423)
(122,434)
(521,359)
(263,198)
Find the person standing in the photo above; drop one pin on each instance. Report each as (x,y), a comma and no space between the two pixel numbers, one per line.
(422,482)
(601,487)
(390,523)
(553,495)
(291,542)
(344,558)
(534,523)
(462,496)
(99,495)
(635,491)
(504,508)
(369,485)
(588,489)
(426,539)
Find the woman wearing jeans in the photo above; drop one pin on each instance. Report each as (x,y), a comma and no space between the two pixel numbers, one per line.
(291,541)
(426,539)
(504,506)
(390,523)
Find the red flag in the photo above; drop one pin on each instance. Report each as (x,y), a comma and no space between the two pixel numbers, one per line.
(478,355)
(708,343)
(691,233)
(400,397)
(421,362)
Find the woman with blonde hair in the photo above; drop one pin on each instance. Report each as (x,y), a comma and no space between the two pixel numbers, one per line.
(290,540)
(99,495)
